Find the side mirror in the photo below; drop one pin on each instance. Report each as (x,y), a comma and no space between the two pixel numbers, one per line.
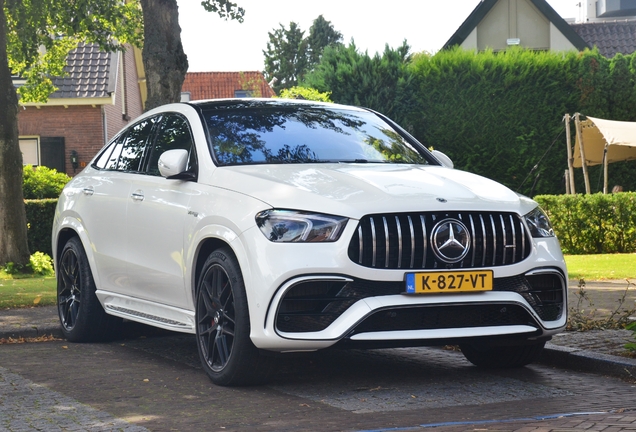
(445,160)
(173,162)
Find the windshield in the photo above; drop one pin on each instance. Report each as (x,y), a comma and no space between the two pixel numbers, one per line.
(281,133)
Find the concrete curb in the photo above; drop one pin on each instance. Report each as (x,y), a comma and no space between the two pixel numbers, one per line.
(588,361)
(32,332)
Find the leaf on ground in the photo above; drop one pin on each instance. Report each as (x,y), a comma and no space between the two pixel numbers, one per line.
(45,338)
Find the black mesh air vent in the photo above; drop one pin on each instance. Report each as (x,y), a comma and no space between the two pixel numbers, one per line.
(445,317)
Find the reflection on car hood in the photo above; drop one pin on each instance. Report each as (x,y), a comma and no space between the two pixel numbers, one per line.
(354,190)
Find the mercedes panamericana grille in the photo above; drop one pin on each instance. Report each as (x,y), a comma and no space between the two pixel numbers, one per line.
(271,226)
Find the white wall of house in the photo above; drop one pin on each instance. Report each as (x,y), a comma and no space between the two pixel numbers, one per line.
(558,42)
(512,22)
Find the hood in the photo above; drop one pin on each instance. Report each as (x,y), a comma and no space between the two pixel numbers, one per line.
(353,190)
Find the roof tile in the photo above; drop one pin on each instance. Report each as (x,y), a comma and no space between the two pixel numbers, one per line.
(611,38)
(218,85)
(87,72)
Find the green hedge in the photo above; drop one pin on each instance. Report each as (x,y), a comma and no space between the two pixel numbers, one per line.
(498,114)
(39,214)
(593,224)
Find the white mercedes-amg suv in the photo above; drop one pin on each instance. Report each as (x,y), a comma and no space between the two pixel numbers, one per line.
(277,226)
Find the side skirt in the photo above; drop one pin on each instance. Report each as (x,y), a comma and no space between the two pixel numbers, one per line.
(146,312)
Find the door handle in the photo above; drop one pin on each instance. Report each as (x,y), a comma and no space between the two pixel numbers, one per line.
(137,195)
(88,190)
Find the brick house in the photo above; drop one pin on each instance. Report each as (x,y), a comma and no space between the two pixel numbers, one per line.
(220,85)
(101,93)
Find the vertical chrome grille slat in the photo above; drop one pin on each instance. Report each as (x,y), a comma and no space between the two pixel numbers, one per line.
(485,240)
(514,239)
(425,238)
(360,243)
(374,241)
(497,239)
(412,242)
(523,237)
(399,235)
(473,240)
(386,242)
(505,242)
(494,239)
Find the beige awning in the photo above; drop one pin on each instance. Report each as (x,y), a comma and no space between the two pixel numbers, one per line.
(619,136)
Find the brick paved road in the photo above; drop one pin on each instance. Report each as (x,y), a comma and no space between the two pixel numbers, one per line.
(156,383)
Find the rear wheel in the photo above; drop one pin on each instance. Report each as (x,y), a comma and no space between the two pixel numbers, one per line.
(82,316)
(502,356)
(223,328)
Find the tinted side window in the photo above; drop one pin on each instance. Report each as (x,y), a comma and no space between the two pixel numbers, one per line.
(135,146)
(126,152)
(110,158)
(174,133)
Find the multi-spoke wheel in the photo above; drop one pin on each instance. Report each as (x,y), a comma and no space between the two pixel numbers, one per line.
(82,317)
(223,329)
(502,356)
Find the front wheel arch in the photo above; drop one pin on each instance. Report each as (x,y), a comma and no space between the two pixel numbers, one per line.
(206,247)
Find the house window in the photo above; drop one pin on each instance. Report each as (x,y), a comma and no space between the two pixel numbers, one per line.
(30,148)
(242,93)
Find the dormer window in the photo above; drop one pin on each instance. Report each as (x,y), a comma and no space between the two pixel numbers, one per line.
(243,93)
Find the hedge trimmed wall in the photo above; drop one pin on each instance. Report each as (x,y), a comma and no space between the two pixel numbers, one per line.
(39,214)
(495,114)
(593,224)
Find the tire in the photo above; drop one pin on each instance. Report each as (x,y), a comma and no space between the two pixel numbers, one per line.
(82,316)
(227,353)
(502,356)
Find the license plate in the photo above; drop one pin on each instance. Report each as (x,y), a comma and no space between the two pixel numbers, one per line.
(449,281)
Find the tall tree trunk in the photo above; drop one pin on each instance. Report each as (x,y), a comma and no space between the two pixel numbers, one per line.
(13,227)
(164,59)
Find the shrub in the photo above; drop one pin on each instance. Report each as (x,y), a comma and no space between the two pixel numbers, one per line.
(305,93)
(594,223)
(39,214)
(42,182)
(41,264)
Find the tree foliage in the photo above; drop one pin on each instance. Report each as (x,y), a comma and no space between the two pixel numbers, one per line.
(286,56)
(382,82)
(225,9)
(305,93)
(290,55)
(321,35)
(41,33)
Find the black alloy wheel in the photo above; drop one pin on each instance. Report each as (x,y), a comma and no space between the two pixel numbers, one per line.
(216,318)
(81,314)
(223,327)
(69,293)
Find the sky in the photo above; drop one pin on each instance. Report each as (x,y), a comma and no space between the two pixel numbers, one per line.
(215,45)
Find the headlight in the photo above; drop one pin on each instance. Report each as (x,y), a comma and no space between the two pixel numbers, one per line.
(539,223)
(297,226)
